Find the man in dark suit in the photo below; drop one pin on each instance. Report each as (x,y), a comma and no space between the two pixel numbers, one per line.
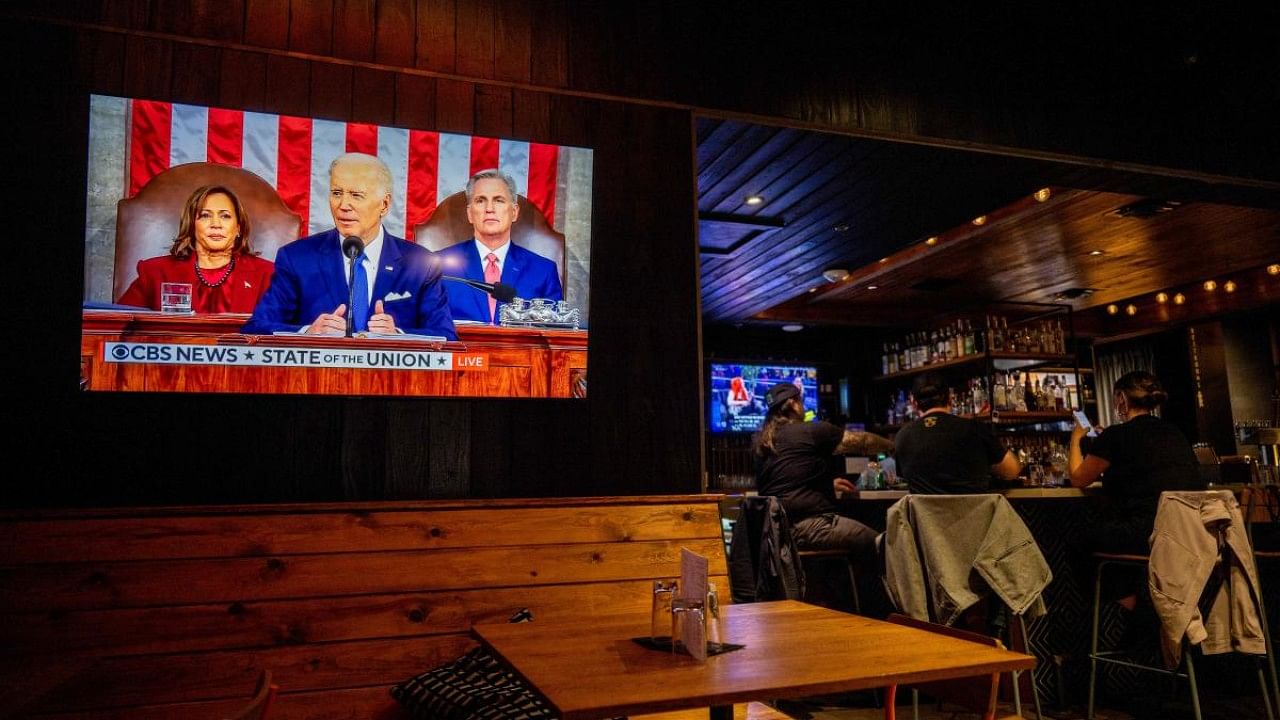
(400,283)
(490,256)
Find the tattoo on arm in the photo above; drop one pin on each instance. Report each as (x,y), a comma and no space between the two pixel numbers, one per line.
(862,443)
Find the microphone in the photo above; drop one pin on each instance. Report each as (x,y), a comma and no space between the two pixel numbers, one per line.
(352,246)
(501,291)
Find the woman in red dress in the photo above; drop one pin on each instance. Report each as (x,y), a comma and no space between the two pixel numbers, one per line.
(212,253)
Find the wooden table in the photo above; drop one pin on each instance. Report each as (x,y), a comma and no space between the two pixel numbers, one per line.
(592,669)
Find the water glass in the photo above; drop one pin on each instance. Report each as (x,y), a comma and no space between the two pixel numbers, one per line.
(660,619)
(175,297)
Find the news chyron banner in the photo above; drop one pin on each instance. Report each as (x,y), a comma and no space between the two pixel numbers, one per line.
(291,357)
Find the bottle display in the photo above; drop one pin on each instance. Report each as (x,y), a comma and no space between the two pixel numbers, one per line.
(958,339)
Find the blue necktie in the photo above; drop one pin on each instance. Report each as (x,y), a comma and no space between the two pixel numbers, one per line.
(360,299)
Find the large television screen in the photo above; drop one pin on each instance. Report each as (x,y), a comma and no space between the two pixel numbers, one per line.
(738,392)
(237,251)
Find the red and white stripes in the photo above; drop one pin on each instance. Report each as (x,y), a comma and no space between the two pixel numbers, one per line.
(293,155)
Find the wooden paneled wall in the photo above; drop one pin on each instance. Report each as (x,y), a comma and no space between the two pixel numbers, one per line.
(638,431)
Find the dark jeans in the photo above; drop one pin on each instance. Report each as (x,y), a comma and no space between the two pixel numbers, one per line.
(837,532)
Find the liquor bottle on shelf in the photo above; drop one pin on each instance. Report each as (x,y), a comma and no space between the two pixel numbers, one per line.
(999,398)
(997,336)
(1029,393)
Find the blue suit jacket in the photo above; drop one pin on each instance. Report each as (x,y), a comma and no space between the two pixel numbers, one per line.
(309,280)
(532,275)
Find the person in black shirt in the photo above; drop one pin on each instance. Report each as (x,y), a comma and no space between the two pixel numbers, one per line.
(1136,460)
(941,454)
(797,462)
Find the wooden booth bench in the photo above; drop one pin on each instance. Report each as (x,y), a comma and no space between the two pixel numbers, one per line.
(150,613)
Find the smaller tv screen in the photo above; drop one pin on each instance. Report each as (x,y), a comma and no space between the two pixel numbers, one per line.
(738,390)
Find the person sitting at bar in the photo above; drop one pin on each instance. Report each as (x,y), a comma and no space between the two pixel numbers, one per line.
(942,454)
(1136,460)
(796,461)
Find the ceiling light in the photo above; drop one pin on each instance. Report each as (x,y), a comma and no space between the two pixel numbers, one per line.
(873,287)
(884,260)
(842,227)
(1096,253)
(1112,309)
(754,199)
(1210,285)
(1229,286)
(980,220)
(1179,299)
(1130,310)
(1273,269)
(1042,194)
(1162,297)
(813,289)
(792,328)
(934,241)
(835,274)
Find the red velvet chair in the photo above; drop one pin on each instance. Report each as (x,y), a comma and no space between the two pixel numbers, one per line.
(448,226)
(147,223)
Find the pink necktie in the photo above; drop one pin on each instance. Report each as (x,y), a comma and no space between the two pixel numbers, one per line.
(492,275)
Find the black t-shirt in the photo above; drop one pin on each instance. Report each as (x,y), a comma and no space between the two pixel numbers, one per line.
(944,454)
(1147,455)
(801,469)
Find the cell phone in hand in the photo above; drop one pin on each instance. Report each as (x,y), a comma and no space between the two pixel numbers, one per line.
(1084,423)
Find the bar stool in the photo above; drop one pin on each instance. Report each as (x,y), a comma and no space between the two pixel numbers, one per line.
(841,556)
(1105,560)
(1270,495)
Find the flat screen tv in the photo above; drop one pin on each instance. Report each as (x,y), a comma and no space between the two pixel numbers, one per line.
(165,311)
(738,392)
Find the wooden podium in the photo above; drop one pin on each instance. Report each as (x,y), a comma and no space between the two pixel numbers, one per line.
(517,362)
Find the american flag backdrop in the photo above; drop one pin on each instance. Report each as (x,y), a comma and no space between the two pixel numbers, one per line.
(131,141)
(293,154)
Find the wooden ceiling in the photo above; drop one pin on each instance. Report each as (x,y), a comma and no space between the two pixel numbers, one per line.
(836,201)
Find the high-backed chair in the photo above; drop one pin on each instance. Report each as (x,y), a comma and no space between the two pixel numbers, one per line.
(147,223)
(448,225)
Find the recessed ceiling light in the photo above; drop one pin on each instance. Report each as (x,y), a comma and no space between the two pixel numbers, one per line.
(980,220)
(884,260)
(813,289)
(1179,299)
(1096,253)
(1113,309)
(1130,310)
(1210,285)
(792,328)
(1162,297)
(1042,194)
(842,227)
(934,241)
(1229,286)
(835,274)
(754,199)
(873,287)
(1273,269)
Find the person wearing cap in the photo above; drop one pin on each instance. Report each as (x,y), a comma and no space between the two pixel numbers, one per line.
(800,463)
(941,454)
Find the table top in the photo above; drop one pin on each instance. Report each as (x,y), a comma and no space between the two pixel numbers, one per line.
(591,669)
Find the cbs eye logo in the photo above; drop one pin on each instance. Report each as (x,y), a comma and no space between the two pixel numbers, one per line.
(120,352)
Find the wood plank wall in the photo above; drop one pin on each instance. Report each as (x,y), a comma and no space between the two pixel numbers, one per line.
(172,612)
(637,433)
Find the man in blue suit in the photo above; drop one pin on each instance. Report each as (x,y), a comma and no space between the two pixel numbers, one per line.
(400,283)
(490,256)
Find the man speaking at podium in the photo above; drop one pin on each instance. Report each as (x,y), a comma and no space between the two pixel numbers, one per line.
(396,287)
(490,256)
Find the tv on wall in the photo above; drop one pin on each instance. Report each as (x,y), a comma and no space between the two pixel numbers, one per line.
(237,251)
(738,393)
